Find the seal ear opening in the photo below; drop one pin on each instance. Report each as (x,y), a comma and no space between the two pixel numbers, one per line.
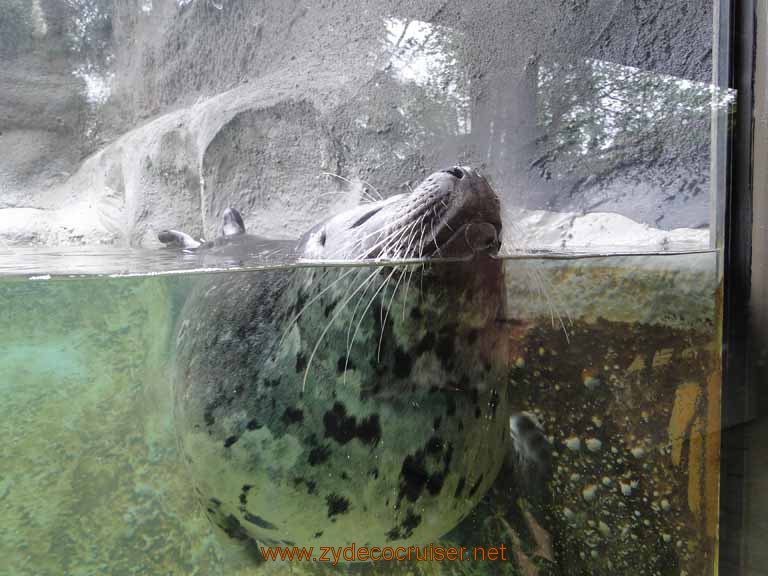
(233,223)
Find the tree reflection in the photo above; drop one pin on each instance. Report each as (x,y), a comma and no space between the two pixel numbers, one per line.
(599,119)
(427,55)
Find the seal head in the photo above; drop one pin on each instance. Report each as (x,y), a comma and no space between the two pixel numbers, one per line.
(452,213)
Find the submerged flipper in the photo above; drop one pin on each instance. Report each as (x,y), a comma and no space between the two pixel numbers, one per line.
(176,239)
(531,451)
(233,223)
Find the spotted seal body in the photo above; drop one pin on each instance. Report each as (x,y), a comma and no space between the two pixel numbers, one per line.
(326,406)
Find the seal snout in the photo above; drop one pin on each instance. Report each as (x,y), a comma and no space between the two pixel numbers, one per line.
(470,222)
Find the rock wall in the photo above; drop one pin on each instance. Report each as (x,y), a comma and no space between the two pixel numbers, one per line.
(121,117)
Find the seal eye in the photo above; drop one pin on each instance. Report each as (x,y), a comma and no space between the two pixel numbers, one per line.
(456,171)
(322,238)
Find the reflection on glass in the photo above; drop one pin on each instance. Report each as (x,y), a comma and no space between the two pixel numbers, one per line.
(426,55)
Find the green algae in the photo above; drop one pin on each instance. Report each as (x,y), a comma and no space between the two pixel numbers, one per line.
(90,480)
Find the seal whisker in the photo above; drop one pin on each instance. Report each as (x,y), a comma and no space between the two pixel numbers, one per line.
(553,311)
(370,302)
(393,249)
(365,195)
(368,282)
(386,316)
(411,238)
(407,286)
(517,231)
(348,249)
(358,243)
(421,238)
(397,224)
(421,256)
(434,236)
(364,199)
(400,221)
(409,247)
(372,187)
(549,296)
(350,339)
(364,192)
(553,299)
(410,250)
(390,241)
(385,242)
(410,272)
(325,331)
(312,301)
(534,275)
(394,242)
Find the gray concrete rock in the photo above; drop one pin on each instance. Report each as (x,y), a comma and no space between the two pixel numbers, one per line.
(269,150)
(160,114)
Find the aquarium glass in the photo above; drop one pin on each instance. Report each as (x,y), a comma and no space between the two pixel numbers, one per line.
(469,321)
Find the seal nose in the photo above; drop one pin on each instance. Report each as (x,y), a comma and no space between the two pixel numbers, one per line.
(482,237)
(455,171)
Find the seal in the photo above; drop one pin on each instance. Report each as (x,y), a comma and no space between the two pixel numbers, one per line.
(232,229)
(234,246)
(365,403)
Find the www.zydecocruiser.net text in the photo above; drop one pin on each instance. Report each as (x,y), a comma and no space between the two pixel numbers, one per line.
(336,554)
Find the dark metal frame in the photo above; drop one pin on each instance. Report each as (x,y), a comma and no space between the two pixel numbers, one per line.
(739,386)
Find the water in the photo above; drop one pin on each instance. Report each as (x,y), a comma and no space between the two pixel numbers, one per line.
(617,357)
(108,261)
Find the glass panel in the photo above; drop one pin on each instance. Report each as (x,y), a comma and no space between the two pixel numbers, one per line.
(438,279)
(121,118)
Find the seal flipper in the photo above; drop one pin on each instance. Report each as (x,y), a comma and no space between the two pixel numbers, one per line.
(531,453)
(176,239)
(530,466)
(233,223)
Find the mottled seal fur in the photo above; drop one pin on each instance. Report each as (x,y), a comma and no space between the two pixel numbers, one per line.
(337,405)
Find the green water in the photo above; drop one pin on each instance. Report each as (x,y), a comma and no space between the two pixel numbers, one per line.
(618,358)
